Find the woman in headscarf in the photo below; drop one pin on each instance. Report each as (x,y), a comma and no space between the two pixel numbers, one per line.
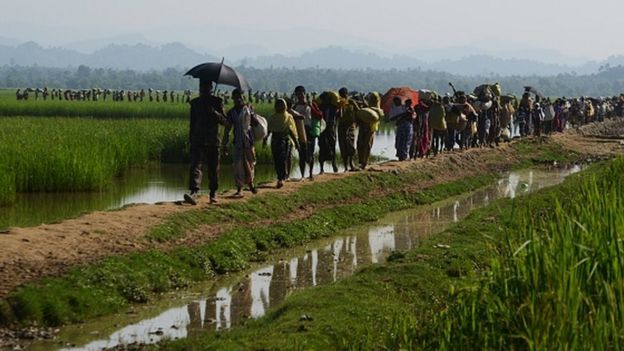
(422,134)
(368,122)
(282,129)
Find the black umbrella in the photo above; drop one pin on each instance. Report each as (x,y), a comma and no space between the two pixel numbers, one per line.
(534,91)
(220,74)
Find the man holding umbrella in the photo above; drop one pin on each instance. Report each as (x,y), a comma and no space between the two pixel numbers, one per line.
(206,115)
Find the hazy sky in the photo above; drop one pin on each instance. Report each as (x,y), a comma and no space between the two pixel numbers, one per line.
(590,29)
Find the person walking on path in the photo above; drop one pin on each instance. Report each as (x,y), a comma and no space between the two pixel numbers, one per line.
(307,120)
(241,118)
(282,129)
(368,127)
(206,115)
(346,129)
(329,104)
(402,115)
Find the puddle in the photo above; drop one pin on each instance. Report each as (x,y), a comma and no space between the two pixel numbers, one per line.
(227,302)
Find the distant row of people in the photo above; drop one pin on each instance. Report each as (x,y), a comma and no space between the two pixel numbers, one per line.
(151,95)
(97,94)
(486,117)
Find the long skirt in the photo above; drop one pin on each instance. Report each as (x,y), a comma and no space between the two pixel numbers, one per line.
(482,128)
(425,138)
(403,140)
(365,140)
(346,140)
(244,165)
(495,130)
(306,151)
(327,144)
(280,148)
(451,135)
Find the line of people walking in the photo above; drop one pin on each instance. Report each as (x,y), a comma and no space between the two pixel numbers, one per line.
(298,123)
(486,117)
(433,125)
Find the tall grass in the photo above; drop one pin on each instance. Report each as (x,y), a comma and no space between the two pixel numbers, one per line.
(558,283)
(97,109)
(59,154)
(46,154)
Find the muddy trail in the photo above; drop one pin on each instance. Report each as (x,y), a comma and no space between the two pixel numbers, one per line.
(29,254)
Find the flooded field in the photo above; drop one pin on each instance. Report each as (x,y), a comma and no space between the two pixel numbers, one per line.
(227,302)
(162,183)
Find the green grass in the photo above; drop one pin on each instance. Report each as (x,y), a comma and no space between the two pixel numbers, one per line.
(10,106)
(529,148)
(68,154)
(557,281)
(80,154)
(539,272)
(357,187)
(48,154)
(106,287)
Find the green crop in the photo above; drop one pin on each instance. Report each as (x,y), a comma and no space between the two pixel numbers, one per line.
(10,106)
(45,154)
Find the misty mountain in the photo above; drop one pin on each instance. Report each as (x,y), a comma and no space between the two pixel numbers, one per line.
(31,53)
(91,45)
(472,65)
(144,57)
(487,65)
(333,57)
(8,41)
(136,57)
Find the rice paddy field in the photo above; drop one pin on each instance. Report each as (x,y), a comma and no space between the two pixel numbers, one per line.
(46,154)
(76,146)
(10,106)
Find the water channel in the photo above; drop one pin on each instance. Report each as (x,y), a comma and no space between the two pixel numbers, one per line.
(162,183)
(228,301)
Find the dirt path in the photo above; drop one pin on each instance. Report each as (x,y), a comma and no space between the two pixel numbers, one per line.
(31,253)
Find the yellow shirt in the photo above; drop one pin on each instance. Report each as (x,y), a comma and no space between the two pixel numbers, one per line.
(283,123)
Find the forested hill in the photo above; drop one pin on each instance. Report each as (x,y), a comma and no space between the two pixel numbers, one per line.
(609,81)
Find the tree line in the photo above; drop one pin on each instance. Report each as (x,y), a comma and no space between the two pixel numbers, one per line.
(607,82)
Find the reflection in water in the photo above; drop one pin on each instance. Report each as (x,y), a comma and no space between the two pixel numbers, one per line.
(337,248)
(260,282)
(380,240)
(222,302)
(229,305)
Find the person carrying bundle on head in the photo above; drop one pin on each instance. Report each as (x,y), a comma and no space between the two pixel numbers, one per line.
(368,122)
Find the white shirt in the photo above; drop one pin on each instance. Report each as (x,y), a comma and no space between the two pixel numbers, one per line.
(306,112)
